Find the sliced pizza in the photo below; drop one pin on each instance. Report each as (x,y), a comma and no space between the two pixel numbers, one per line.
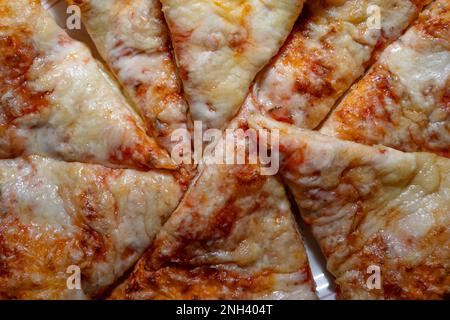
(331,46)
(404,100)
(133,39)
(374,211)
(56,101)
(60,220)
(221,46)
(232,237)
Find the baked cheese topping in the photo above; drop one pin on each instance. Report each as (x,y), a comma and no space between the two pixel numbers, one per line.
(232,237)
(54,215)
(404,101)
(221,46)
(372,206)
(56,101)
(331,46)
(133,39)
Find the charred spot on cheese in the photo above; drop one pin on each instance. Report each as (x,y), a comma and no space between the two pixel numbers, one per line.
(18,100)
(435,22)
(238,40)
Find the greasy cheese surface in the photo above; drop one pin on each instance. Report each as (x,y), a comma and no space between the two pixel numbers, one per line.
(332,44)
(56,101)
(55,214)
(221,45)
(372,206)
(232,237)
(133,39)
(404,101)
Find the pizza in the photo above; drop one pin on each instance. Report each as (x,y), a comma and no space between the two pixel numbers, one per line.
(54,215)
(220,47)
(232,237)
(338,115)
(404,100)
(372,207)
(57,101)
(330,47)
(133,39)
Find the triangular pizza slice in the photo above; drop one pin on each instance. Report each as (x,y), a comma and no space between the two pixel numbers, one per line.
(330,47)
(381,216)
(133,39)
(55,100)
(404,100)
(232,237)
(60,221)
(221,46)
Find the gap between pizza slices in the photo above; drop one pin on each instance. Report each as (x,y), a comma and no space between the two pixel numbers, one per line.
(233,236)
(133,39)
(371,207)
(99,218)
(57,101)
(220,47)
(404,100)
(331,46)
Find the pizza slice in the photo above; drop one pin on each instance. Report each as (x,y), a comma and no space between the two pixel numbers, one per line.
(221,46)
(56,217)
(56,101)
(331,46)
(133,39)
(404,100)
(232,237)
(372,209)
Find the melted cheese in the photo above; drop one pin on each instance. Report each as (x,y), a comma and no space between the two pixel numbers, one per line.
(58,102)
(133,39)
(330,48)
(232,237)
(221,45)
(372,206)
(55,214)
(404,100)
